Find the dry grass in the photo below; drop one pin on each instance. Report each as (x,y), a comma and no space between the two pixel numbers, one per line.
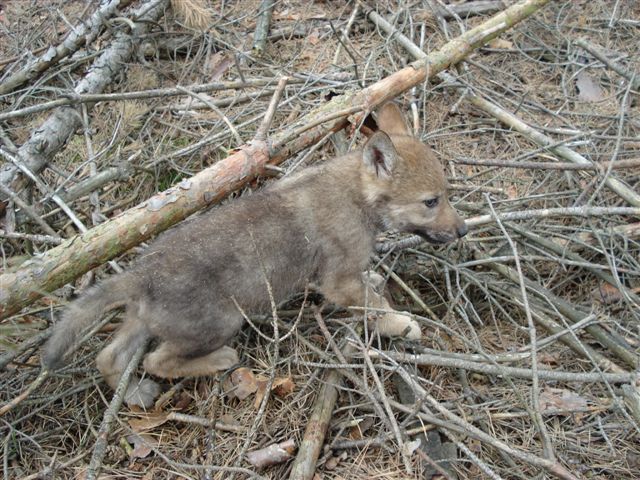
(532,72)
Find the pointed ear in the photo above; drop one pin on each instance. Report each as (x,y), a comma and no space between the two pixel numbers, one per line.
(391,120)
(379,155)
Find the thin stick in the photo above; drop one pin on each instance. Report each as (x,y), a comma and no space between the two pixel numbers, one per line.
(205,422)
(344,34)
(304,465)
(52,135)
(568,310)
(614,184)
(110,414)
(31,342)
(584,212)
(213,107)
(79,98)
(28,210)
(515,372)
(598,167)
(535,388)
(261,133)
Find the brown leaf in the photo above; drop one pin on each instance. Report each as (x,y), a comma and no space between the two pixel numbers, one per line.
(183,401)
(218,64)
(357,431)
(283,386)
(588,89)
(561,399)
(148,421)
(607,293)
(262,389)
(243,383)
(142,444)
(512,192)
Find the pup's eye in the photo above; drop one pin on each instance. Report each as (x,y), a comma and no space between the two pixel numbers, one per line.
(432,202)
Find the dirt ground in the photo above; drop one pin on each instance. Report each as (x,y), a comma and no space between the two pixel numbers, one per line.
(528,324)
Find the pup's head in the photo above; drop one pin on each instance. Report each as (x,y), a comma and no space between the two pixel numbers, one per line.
(405,183)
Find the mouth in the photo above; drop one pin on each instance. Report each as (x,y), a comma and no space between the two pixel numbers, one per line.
(439,238)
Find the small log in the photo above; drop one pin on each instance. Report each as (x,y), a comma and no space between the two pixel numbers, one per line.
(262,27)
(305,463)
(272,455)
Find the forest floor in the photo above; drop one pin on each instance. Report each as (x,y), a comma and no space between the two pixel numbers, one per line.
(450,406)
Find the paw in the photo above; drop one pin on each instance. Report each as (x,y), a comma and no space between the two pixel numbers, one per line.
(399,324)
(413,331)
(225,358)
(142,394)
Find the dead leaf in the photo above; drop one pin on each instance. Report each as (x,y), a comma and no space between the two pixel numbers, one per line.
(143,444)
(183,401)
(561,399)
(608,294)
(228,419)
(588,89)
(262,389)
(500,43)
(218,64)
(283,386)
(242,383)
(148,421)
(357,431)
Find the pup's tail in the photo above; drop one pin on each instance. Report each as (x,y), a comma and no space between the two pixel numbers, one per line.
(82,312)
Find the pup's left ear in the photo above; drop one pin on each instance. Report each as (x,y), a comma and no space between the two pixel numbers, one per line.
(380,155)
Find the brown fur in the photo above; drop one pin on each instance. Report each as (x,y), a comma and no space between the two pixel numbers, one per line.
(315,227)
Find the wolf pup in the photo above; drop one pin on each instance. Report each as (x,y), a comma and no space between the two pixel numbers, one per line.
(317,226)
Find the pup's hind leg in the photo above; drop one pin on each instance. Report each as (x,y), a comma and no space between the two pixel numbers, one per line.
(115,357)
(171,361)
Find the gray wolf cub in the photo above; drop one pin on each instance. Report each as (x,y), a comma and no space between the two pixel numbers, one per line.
(317,226)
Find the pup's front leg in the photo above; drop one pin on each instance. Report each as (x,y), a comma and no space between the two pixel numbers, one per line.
(348,290)
(391,324)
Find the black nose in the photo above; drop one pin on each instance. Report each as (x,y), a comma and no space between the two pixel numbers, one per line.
(462,230)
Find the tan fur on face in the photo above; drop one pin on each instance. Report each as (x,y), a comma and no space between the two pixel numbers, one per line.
(418,176)
(316,227)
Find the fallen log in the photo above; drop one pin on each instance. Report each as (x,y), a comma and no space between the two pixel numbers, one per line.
(108,240)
